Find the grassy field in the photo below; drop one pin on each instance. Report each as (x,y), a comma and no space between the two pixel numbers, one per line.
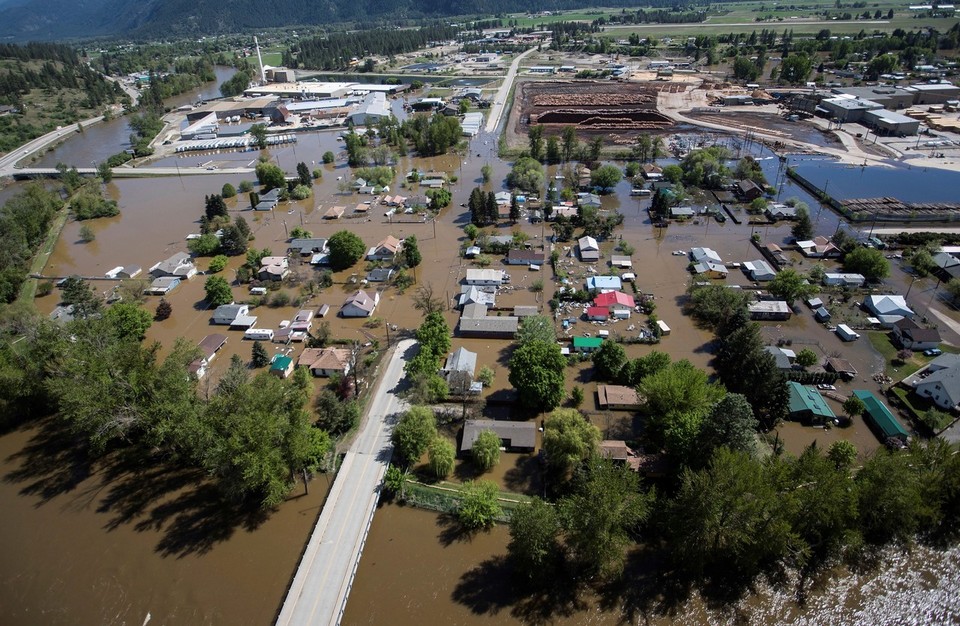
(274,58)
(799,27)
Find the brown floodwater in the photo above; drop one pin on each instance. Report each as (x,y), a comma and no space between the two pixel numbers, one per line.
(87,568)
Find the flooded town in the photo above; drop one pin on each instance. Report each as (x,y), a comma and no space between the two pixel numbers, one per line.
(538,335)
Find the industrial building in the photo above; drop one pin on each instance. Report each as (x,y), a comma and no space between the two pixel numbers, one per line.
(373,109)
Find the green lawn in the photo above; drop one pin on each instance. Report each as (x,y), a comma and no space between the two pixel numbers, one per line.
(272,58)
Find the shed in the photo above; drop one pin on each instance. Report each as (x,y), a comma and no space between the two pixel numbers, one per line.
(589,249)
(281,366)
(880,419)
(846,333)
(618,397)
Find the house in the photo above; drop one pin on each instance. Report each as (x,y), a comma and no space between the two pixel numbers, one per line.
(503,197)
(179,265)
(308,246)
(360,304)
(710,269)
(818,248)
(472,294)
(880,419)
(274,268)
(890,307)
(770,310)
(618,397)
(524,257)
(484,277)
(281,366)
(619,452)
(587,344)
(325,362)
(821,314)
(841,366)
(380,275)
(386,250)
(759,270)
(782,357)
(748,190)
(948,265)
(462,360)
(589,249)
(852,281)
(911,336)
(775,253)
(334,213)
(589,201)
(360,183)
(598,313)
(942,386)
(600,284)
(62,314)
(525,310)
(209,347)
(227,314)
(617,303)
(268,201)
(514,436)
(777,211)
(701,255)
(302,321)
(493,327)
(651,171)
(682,212)
(807,405)
(129,271)
(163,286)
(622,261)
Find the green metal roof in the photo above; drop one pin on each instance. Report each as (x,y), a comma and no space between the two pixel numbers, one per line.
(804,399)
(587,342)
(881,416)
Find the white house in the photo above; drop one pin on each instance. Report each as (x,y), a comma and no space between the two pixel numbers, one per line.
(484,277)
(325,362)
(227,314)
(703,255)
(360,304)
(759,270)
(888,306)
(274,268)
(179,265)
(844,280)
(386,250)
(589,249)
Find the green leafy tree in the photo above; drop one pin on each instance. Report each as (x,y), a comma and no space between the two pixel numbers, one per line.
(527,175)
(260,357)
(802,230)
(328,157)
(128,320)
(301,192)
(478,506)
(87,234)
(205,245)
(346,248)
(486,450)
(76,292)
(853,406)
(535,135)
(712,305)
(568,440)
(790,285)
(922,262)
(270,175)
(608,360)
(795,68)
(228,191)
(890,502)
(869,262)
(632,372)
(536,328)
(411,252)
(217,263)
(441,455)
(729,423)
(334,414)
(569,142)
(303,175)
(745,367)
(534,540)
(536,372)
(217,291)
(553,149)
(605,177)
(259,133)
(807,358)
(842,454)
(486,172)
(414,431)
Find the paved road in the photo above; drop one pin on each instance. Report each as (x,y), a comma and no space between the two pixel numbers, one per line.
(135,172)
(500,100)
(9,161)
(318,594)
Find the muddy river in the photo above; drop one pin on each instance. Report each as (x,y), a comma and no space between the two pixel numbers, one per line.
(78,551)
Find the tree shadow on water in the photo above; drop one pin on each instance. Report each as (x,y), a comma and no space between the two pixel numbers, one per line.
(53,462)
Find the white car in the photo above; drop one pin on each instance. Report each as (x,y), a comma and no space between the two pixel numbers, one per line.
(825,387)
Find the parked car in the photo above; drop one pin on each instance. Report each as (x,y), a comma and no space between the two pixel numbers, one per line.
(933,352)
(825,387)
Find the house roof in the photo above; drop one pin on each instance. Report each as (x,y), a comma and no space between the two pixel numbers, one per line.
(598,311)
(888,305)
(588,243)
(804,399)
(525,255)
(758,268)
(379,274)
(520,434)
(705,254)
(617,394)
(881,415)
(324,358)
(230,310)
(361,300)
(709,266)
(948,379)
(486,275)
(913,331)
(462,360)
(621,260)
(587,342)
(281,363)
(308,245)
(841,366)
(769,306)
(489,324)
(525,310)
(780,356)
(614,297)
(473,310)
(746,185)
(390,244)
(211,343)
(604,282)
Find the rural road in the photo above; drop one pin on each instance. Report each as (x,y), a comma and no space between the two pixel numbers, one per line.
(8,161)
(318,594)
(500,100)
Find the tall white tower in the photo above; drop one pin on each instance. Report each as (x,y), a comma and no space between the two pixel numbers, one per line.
(263,72)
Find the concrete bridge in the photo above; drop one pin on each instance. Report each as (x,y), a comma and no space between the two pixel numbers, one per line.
(319,591)
(25,173)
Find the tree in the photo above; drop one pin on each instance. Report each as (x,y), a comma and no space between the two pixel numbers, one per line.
(486,450)
(235,238)
(425,301)
(605,510)
(569,135)
(441,455)
(536,372)
(105,172)
(526,174)
(328,157)
(303,174)
(486,172)
(922,262)
(806,358)
(568,440)
(536,328)
(745,69)
(414,431)
(164,310)
(411,252)
(842,453)
(87,234)
(259,357)
(218,291)
(301,192)
(803,228)
(335,415)
(712,305)
(730,423)
(217,263)
(535,135)
(790,285)
(259,133)
(853,406)
(746,367)
(346,248)
(128,320)
(867,261)
(76,292)
(553,149)
(595,149)
(605,177)
(205,245)
(534,540)
(270,175)
(228,190)
(890,501)
(514,209)
(795,68)
(608,360)
(632,372)
(478,506)
(953,288)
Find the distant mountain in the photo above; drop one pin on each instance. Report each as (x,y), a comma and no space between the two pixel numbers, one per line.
(22,20)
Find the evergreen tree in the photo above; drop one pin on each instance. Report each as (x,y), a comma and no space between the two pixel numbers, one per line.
(260,358)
